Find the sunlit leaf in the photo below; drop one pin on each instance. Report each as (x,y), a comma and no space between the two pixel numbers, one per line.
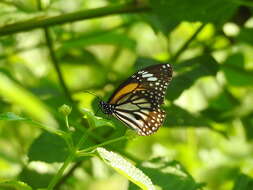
(222,108)
(26,100)
(9,116)
(235,73)
(190,73)
(126,169)
(14,185)
(95,121)
(168,175)
(100,38)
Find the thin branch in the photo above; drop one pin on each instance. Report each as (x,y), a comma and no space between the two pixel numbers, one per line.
(50,45)
(68,174)
(187,43)
(56,64)
(43,21)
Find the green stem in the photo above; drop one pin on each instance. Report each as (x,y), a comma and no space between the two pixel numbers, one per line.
(67,122)
(56,178)
(66,163)
(43,21)
(56,64)
(46,128)
(187,43)
(84,151)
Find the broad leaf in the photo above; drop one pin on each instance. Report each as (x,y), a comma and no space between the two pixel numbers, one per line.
(243,182)
(14,185)
(222,108)
(126,169)
(235,73)
(48,148)
(99,38)
(95,121)
(178,116)
(194,10)
(9,116)
(168,175)
(35,179)
(191,71)
(248,126)
(245,35)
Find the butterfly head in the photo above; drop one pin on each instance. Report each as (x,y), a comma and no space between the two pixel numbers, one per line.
(106,108)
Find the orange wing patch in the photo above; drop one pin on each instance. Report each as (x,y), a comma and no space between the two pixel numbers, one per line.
(126,89)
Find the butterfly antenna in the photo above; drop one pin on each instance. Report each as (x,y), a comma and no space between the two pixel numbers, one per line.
(100,99)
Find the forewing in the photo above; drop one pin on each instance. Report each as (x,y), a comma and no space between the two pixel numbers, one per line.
(154,80)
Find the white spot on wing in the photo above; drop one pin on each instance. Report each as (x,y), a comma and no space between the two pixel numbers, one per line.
(147,75)
(152,79)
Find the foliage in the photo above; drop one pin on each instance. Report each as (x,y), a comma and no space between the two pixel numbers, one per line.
(58,58)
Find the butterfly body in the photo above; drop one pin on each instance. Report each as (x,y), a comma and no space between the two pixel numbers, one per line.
(137,101)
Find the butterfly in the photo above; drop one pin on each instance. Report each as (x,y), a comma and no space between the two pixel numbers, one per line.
(136,102)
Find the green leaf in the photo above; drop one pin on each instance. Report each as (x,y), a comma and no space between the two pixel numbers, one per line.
(235,73)
(248,126)
(14,185)
(222,108)
(245,35)
(142,62)
(195,10)
(236,60)
(48,148)
(126,169)
(77,56)
(35,179)
(9,116)
(168,175)
(95,121)
(157,24)
(177,116)
(243,182)
(95,38)
(191,71)
(18,95)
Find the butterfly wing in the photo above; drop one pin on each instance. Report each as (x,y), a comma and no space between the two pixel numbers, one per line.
(137,101)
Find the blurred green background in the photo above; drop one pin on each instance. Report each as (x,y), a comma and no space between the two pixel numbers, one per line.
(209,103)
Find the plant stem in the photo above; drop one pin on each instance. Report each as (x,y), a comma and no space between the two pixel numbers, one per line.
(46,128)
(84,151)
(43,21)
(187,43)
(67,122)
(70,172)
(69,159)
(56,178)
(56,64)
